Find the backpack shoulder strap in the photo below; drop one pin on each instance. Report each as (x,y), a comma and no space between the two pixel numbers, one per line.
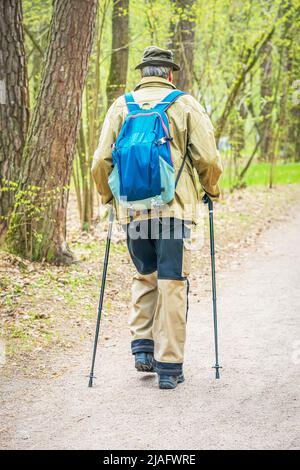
(131,104)
(168,100)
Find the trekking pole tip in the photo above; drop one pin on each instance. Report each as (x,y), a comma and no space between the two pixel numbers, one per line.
(217,367)
(91,380)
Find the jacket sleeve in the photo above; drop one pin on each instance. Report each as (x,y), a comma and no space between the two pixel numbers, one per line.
(203,150)
(102,162)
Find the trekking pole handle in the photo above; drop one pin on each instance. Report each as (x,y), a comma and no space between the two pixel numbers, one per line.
(207,200)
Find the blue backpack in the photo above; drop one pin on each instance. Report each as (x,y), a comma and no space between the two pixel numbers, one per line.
(143,173)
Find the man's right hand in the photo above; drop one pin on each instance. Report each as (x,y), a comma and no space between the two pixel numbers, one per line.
(206,199)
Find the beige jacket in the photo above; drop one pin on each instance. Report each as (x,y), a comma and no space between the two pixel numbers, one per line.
(192,132)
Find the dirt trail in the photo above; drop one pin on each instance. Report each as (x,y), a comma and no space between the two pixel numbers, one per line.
(254,405)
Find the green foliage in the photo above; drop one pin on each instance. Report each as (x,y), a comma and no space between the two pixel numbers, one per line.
(258,175)
(29,211)
(226,34)
(36,12)
(37,16)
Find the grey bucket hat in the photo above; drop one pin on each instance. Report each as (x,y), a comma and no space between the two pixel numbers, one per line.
(156,56)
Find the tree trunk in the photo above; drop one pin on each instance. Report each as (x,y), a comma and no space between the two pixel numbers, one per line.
(266,92)
(294,124)
(182,43)
(38,226)
(116,83)
(291,66)
(294,130)
(14,103)
(237,120)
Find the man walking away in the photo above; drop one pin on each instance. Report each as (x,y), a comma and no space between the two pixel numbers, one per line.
(158,237)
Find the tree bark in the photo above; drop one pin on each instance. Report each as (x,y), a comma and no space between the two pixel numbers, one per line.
(116,83)
(14,103)
(182,43)
(290,139)
(38,226)
(294,127)
(266,92)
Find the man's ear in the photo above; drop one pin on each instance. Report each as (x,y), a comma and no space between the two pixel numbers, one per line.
(170,78)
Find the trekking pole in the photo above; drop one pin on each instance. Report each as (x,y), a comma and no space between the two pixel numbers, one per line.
(110,225)
(207,200)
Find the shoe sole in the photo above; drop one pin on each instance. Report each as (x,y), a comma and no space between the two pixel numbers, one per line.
(142,367)
(168,385)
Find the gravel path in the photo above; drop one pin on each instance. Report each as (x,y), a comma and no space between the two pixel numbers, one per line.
(255,405)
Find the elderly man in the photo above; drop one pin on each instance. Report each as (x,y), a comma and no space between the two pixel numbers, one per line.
(158,238)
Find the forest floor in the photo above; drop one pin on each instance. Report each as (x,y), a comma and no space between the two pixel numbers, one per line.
(48,316)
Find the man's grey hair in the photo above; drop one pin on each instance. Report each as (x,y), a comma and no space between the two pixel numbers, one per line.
(156,71)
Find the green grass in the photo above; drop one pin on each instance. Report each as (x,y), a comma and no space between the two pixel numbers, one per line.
(259,174)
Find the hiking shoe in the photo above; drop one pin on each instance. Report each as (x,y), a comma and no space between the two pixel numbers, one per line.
(170,381)
(144,362)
